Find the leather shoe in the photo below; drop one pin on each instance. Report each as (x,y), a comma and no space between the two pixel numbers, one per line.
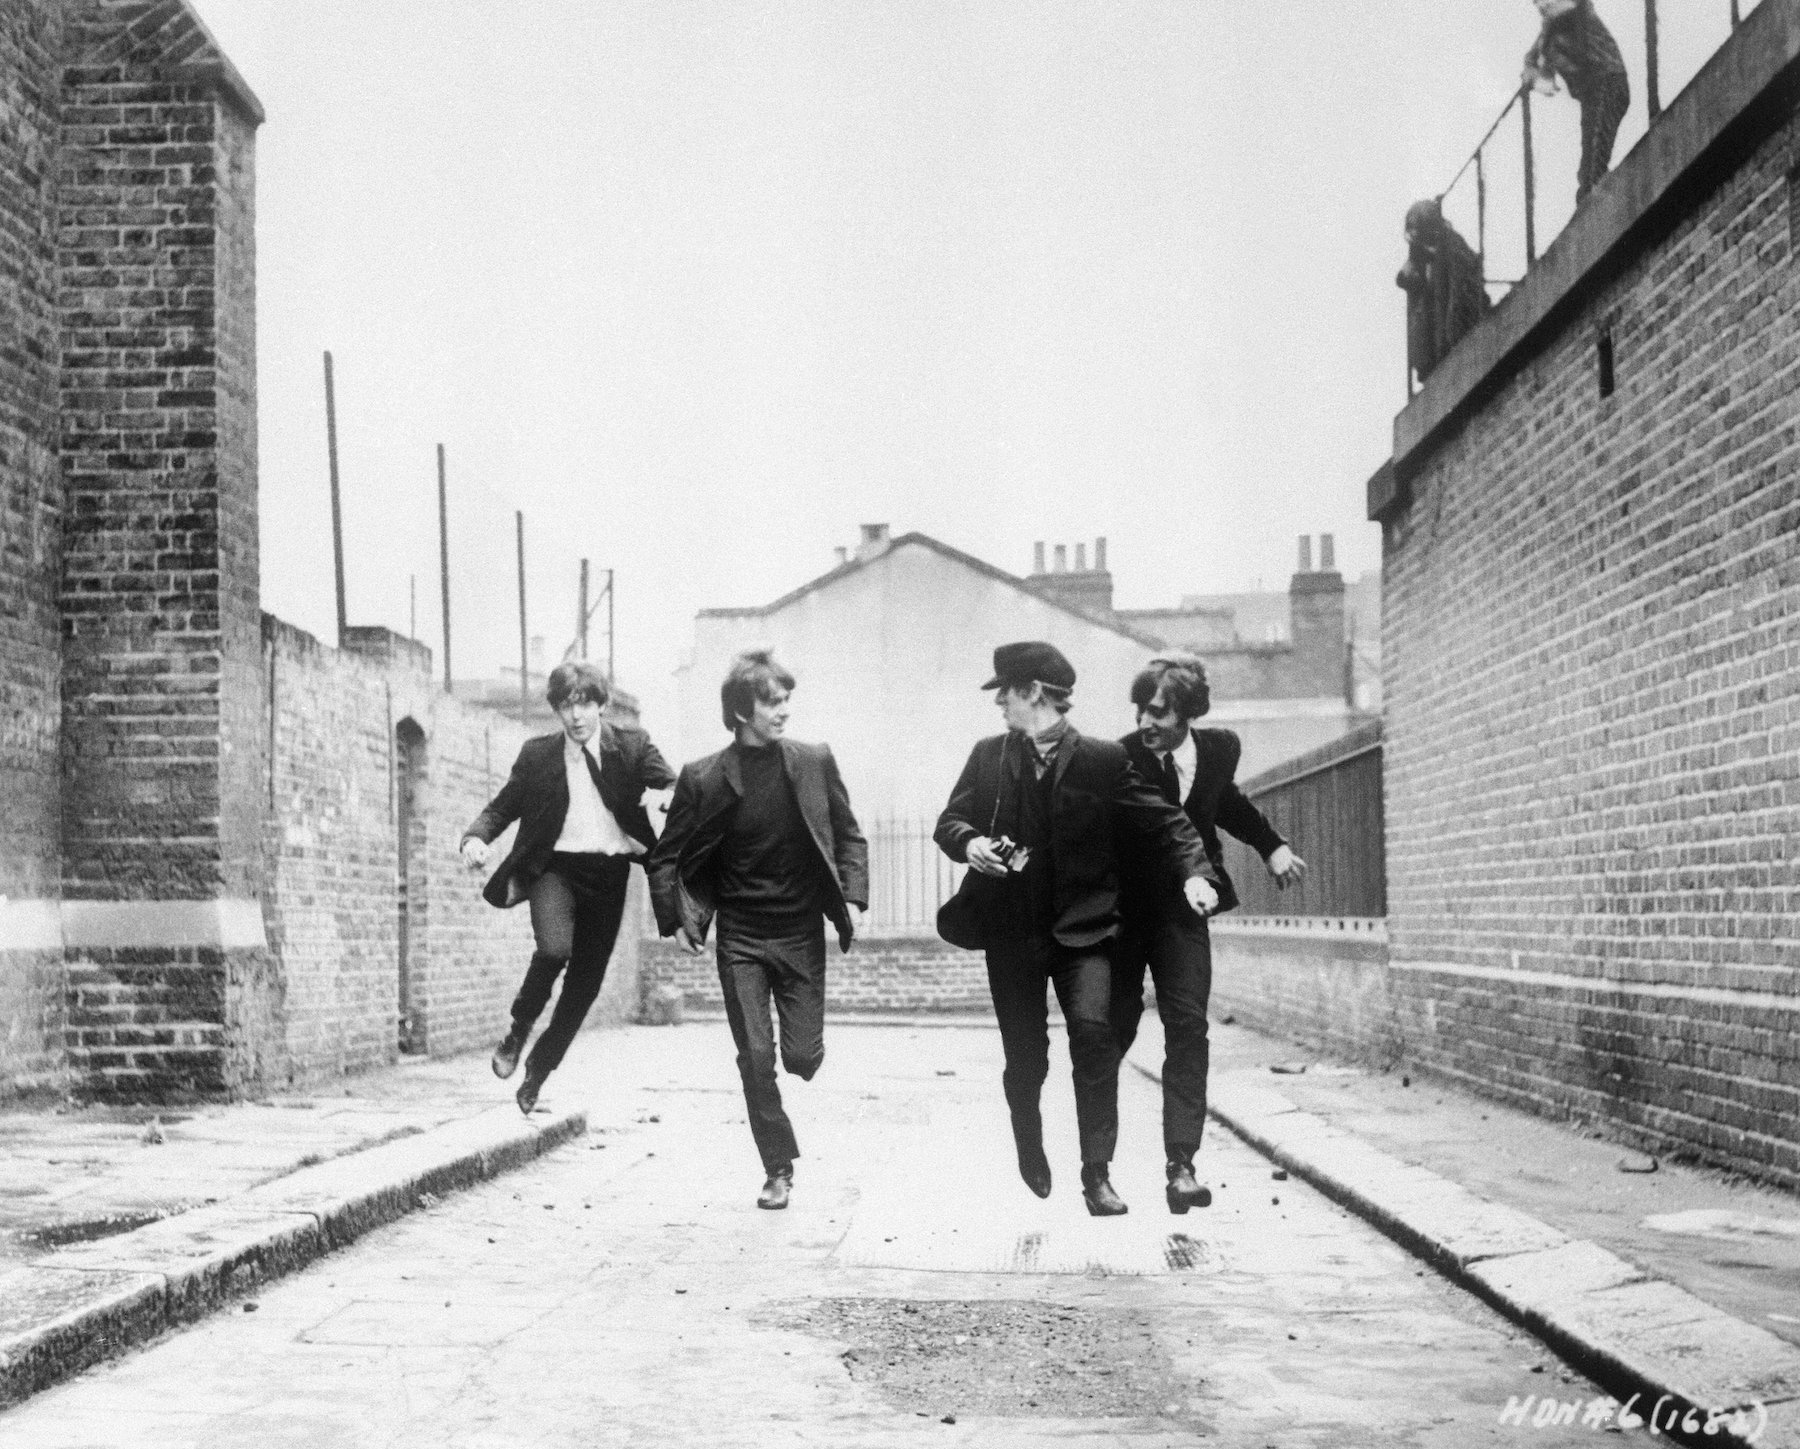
(1034,1167)
(1097,1192)
(506,1055)
(1184,1191)
(527,1094)
(774,1195)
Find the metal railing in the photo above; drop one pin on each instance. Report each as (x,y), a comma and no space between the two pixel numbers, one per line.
(1477,161)
(909,877)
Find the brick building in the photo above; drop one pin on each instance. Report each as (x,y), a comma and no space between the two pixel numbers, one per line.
(229,855)
(1591,567)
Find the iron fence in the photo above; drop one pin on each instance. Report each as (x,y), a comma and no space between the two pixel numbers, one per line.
(1327,805)
(909,877)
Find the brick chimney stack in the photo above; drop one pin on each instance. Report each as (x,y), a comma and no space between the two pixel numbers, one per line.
(1088,589)
(875,541)
(1316,619)
(1305,564)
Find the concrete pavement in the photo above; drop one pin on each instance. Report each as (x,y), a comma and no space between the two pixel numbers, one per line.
(625,1291)
(1528,1214)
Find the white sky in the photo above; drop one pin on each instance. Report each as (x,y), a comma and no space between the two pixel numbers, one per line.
(703,286)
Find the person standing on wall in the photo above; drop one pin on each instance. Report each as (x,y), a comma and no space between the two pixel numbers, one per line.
(1035,816)
(761,834)
(1576,48)
(578,798)
(1195,769)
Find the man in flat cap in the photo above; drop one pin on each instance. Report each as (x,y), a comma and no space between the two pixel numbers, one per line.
(1035,816)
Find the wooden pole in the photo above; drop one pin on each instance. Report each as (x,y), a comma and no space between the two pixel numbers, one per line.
(337,513)
(581,613)
(1530,181)
(609,626)
(1652,99)
(524,643)
(444,560)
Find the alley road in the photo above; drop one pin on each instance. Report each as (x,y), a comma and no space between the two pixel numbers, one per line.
(626,1291)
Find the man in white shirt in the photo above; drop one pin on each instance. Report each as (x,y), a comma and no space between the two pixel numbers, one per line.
(1195,770)
(578,798)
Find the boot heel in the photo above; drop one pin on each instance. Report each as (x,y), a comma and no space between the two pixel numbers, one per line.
(1177,1203)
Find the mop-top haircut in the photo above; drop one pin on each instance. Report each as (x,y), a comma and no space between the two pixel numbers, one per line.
(753,675)
(575,681)
(1182,679)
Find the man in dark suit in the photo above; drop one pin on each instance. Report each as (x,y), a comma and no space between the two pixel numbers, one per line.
(1194,769)
(762,835)
(578,798)
(1035,816)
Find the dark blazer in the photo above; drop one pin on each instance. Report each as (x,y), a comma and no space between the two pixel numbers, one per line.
(537,796)
(1098,799)
(1213,801)
(683,868)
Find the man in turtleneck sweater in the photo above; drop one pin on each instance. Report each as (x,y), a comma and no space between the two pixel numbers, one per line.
(1035,816)
(762,835)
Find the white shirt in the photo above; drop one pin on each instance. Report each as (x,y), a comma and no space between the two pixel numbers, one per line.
(589,827)
(1187,761)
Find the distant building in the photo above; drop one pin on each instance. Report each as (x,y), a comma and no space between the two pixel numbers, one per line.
(891,647)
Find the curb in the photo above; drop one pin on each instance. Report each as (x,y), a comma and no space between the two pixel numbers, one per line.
(83,1304)
(1698,1374)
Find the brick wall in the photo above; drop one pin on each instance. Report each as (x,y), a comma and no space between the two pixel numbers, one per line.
(893,973)
(30,539)
(1592,657)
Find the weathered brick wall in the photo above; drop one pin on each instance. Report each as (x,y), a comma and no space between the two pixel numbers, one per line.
(1592,658)
(159,565)
(884,973)
(30,542)
(364,746)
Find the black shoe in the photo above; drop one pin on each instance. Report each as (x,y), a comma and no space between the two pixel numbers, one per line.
(527,1094)
(1028,1138)
(1184,1191)
(1034,1167)
(506,1055)
(774,1195)
(1097,1192)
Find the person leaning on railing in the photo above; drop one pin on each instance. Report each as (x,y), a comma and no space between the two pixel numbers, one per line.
(1576,48)
(1445,294)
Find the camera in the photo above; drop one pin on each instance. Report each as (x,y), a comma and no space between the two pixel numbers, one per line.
(1013,855)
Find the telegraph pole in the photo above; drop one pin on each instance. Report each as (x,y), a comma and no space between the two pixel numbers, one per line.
(581,613)
(524,643)
(337,515)
(444,561)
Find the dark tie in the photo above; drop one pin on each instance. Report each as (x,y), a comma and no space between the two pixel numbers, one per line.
(593,773)
(1171,780)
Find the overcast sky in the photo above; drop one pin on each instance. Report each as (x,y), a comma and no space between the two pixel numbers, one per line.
(701,287)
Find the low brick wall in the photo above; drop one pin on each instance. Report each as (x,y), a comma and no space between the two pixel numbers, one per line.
(883,973)
(1322,982)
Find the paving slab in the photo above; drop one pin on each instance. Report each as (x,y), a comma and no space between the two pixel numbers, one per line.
(1611,1315)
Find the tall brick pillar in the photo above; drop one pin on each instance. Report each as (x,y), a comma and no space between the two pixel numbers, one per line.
(171,988)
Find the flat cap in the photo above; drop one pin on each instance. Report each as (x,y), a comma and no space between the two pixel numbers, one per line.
(1031,662)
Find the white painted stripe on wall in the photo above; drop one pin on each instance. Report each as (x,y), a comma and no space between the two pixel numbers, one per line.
(30,925)
(1563,981)
(120,925)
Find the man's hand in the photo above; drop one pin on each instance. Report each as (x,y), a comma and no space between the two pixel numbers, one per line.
(474,852)
(1286,867)
(687,942)
(1200,895)
(983,857)
(855,913)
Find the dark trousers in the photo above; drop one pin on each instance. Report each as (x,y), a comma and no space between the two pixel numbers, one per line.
(1601,116)
(1018,973)
(756,967)
(576,906)
(1178,951)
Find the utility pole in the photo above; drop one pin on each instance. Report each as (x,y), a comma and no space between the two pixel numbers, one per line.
(1530,181)
(524,643)
(337,515)
(609,626)
(444,561)
(1653,99)
(581,614)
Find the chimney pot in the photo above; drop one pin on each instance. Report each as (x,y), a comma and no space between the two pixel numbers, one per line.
(1062,558)
(1081,558)
(1327,553)
(843,555)
(1305,553)
(874,532)
(1037,558)
(1100,555)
